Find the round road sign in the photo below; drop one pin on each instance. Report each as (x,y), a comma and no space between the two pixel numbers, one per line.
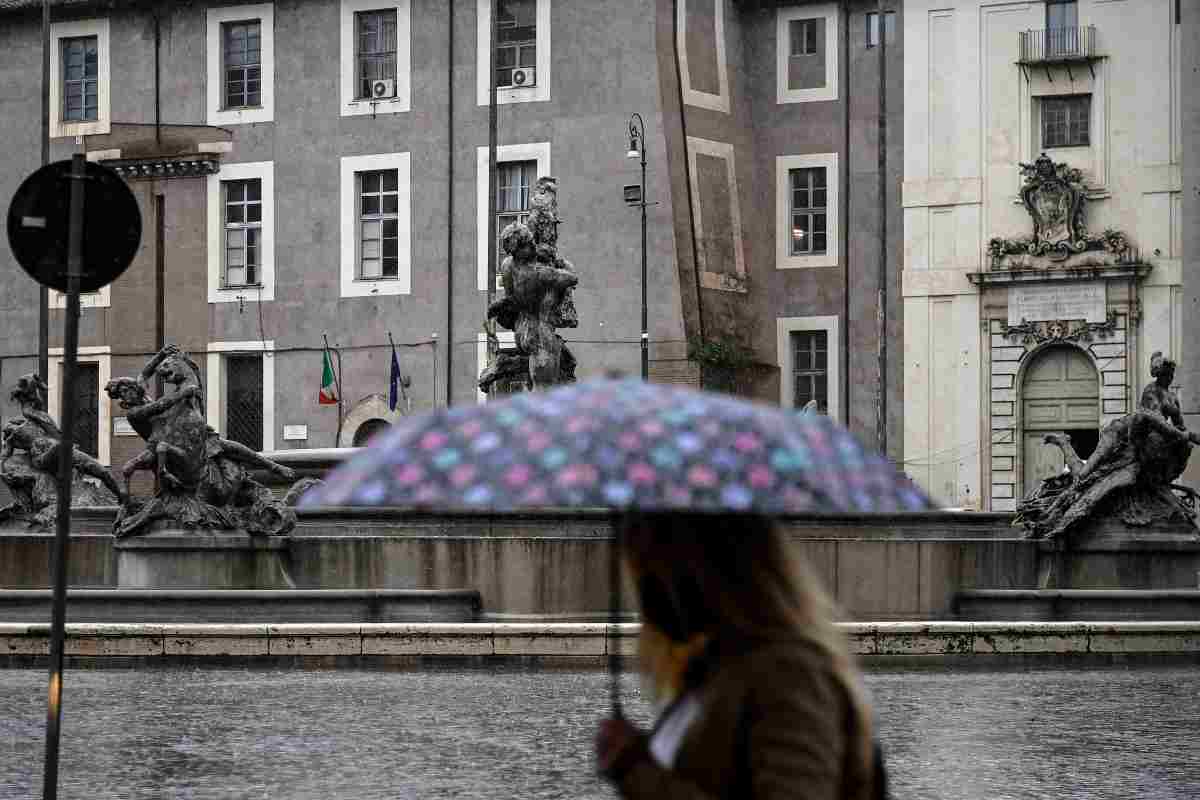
(38,224)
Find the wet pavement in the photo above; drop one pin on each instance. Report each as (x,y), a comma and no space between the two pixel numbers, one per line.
(1102,733)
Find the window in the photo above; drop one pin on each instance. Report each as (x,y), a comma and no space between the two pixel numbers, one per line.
(806,211)
(375,46)
(1066,121)
(87,408)
(93,420)
(239,391)
(806,53)
(514,187)
(241,237)
(375,225)
(79,84)
(242,54)
(378,225)
(243,232)
(810,369)
(1061,14)
(81,71)
(889,27)
(809,366)
(810,197)
(375,58)
(516,41)
(522,45)
(518,166)
(803,36)
(240,48)
(244,400)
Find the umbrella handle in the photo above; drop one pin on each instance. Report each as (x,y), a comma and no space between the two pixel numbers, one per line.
(614,610)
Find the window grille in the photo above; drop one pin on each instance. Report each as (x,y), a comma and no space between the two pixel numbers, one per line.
(378,225)
(516,39)
(376,56)
(809,215)
(244,400)
(87,409)
(242,47)
(243,232)
(810,369)
(1066,121)
(80,84)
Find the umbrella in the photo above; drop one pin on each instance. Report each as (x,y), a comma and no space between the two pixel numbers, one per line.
(621,444)
(625,445)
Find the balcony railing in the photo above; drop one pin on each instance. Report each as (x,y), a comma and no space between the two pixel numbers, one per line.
(1059,45)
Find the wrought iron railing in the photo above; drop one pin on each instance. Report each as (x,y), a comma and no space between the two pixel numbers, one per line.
(1059,44)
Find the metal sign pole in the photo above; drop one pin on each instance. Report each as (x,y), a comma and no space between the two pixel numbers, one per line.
(66,454)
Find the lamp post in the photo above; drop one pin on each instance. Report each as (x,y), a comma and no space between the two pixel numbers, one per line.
(637,149)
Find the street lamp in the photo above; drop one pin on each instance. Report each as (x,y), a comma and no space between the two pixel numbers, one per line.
(637,149)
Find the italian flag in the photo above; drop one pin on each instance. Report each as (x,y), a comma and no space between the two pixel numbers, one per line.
(328,394)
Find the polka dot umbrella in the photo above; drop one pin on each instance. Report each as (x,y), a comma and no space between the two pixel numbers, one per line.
(624,445)
(620,444)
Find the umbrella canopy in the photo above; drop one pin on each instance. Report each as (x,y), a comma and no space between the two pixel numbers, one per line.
(620,444)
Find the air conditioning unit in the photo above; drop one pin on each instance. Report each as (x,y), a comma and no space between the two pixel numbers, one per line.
(383,89)
(525,76)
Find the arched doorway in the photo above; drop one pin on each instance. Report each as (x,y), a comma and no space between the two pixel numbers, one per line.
(1060,393)
(369,430)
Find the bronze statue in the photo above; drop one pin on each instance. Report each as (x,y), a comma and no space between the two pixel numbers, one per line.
(1130,474)
(30,448)
(202,479)
(537,300)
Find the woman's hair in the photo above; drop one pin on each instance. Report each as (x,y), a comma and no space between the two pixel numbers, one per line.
(734,577)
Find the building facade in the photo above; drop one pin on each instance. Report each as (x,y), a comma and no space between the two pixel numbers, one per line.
(317,170)
(1000,351)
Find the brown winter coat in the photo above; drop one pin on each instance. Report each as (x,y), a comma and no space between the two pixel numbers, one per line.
(776,723)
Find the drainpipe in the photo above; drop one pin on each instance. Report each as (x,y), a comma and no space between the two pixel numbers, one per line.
(881,311)
(43,292)
(449,215)
(845,213)
(157,86)
(492,136)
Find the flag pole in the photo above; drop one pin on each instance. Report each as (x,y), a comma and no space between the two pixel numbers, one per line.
(337,383)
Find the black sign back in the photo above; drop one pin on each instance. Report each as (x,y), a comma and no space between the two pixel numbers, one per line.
(38,221)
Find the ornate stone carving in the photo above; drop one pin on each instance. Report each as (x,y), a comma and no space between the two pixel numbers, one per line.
(537,300)
(1055,197)
(29,458)
(1130,474)
(1031,334)
(203,480)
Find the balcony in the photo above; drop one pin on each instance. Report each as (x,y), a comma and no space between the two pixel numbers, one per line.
(1064,47)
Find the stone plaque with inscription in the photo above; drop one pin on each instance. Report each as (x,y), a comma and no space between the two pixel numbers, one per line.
(1054,302)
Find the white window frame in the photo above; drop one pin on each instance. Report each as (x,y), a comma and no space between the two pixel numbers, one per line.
(783,17)
(783,208)
(540,91)
(265,172)
(538,151)
(60,128)
(784,328)
(506,339)
(101,298)
(214,380)
(695,97)
(402,102)
(351,285)
(102,356)
(217,114)
(722,150)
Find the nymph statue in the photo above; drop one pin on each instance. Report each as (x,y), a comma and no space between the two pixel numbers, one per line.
(537,299)
(1130,474)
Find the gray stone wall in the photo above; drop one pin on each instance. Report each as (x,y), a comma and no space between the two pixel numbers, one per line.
(604,63)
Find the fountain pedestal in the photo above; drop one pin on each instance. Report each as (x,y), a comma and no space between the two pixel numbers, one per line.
(1108,554)
(202,559)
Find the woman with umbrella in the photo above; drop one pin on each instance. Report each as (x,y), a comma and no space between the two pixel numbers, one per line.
(763,701)
(739,647)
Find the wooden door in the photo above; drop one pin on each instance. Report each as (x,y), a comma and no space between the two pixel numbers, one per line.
(1059,394)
